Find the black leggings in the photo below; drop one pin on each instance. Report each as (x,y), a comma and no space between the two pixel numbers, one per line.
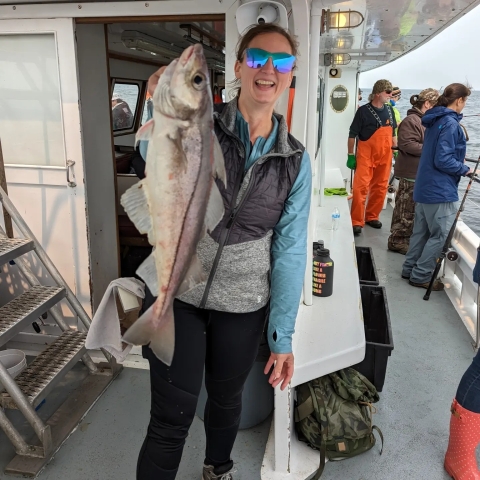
(226,344)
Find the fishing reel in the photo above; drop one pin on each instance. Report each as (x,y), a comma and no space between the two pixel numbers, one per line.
(392,189)
(452,255)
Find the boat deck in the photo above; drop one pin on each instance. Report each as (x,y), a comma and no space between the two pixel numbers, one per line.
(432,350)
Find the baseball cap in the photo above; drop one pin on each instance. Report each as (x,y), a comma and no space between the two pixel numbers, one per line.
(381,86)
(429,94)
(396,91)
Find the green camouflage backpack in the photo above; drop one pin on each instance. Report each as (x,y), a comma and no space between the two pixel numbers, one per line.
(334,415)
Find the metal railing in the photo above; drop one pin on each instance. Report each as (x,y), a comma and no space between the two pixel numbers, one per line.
(462,291)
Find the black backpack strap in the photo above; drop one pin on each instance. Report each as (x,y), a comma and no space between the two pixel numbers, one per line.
(323,421)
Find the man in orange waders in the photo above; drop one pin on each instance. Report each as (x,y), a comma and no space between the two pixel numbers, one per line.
(374,125)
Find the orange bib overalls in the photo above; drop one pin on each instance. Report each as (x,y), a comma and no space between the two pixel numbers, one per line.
(374,162)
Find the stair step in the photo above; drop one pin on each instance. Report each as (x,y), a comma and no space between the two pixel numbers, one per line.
(27,308)
(44,373)
(11,248)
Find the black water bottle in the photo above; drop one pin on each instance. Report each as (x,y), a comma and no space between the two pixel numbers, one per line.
(322,273)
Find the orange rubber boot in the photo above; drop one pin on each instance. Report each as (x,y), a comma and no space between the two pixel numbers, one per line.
(460,459)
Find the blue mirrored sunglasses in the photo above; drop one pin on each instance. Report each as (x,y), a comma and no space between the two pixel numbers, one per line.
(282,62)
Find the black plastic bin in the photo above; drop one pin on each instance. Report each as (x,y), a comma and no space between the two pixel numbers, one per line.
(367,271)
(378,335)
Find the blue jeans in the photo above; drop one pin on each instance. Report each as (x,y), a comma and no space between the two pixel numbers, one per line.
(468,393)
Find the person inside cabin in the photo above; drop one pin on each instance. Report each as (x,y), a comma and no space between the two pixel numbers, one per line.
(254,260)
(442,164)
(460,458)
(122,116)
(374,126)
(410,142)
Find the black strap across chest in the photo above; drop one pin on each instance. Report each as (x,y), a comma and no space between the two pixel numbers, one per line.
(377,118)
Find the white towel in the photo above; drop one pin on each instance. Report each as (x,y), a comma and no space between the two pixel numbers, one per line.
(104,331)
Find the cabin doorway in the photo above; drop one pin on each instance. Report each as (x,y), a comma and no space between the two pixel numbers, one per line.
(115,60)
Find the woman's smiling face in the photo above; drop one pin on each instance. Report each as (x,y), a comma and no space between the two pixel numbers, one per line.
(264,85)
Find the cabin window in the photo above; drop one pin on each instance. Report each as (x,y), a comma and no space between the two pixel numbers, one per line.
(125,101)
(31,126)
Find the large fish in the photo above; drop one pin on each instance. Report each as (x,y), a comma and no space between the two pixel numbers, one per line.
(178,201)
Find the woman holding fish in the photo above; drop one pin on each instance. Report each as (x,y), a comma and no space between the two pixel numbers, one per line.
(239,255)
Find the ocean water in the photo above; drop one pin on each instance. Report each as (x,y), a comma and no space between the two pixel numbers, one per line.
(471,213)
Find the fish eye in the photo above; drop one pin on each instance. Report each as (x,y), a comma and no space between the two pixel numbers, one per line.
(198,81)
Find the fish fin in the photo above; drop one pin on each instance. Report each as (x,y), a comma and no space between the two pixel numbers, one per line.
(147,271)
(219,162)
(135,203)
(215,208)
(195,275)
(160,334)
(145,132)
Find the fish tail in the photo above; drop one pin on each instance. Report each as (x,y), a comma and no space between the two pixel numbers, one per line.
(159,334)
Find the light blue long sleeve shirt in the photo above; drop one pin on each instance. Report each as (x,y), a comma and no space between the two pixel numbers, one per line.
(289,242)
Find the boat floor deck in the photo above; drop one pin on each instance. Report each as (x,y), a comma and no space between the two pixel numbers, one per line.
(432,350)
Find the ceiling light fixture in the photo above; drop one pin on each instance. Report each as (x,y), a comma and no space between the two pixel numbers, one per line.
(145,43)
(340,20)
(341,58)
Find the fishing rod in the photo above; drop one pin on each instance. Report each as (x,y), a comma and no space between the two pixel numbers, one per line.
(472,115)
(446,245)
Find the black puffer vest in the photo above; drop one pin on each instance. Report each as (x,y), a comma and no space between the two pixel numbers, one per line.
(256,199)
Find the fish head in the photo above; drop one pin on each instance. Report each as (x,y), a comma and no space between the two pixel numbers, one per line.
(190,83)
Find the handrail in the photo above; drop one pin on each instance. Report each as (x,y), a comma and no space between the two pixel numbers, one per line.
(462,291)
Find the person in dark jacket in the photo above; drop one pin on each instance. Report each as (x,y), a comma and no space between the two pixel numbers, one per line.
(436,186)
(410,143)
(254,262)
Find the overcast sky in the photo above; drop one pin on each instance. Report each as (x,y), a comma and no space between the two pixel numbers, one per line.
(452,56)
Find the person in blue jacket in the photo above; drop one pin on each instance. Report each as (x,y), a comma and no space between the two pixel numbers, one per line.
(436,187)
(254,262)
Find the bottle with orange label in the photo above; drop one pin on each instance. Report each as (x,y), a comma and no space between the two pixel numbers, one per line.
(322,271)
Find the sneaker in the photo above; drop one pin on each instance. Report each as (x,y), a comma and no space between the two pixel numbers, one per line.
(209,474)
(437,285)
(357,229)
(375,223)
(405,277)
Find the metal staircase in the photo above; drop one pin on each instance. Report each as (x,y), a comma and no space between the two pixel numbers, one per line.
(30,388)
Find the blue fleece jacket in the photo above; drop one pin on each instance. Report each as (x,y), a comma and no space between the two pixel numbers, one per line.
(443,154)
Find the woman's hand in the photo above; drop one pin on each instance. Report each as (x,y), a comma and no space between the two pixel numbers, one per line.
(283,370)
(153,80)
